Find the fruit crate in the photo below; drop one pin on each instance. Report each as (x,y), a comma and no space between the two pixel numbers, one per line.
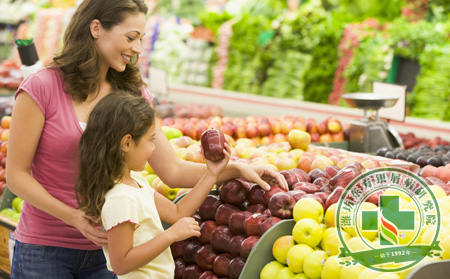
(261,253)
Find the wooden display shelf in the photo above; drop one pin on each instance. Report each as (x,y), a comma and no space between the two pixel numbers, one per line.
(7,224)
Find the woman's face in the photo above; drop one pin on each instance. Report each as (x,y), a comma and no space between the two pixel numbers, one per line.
(118,45)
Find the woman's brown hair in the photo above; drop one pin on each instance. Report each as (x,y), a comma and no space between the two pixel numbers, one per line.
(79,59)
(101,160)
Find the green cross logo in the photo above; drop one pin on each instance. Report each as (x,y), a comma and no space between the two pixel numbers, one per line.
(390,221)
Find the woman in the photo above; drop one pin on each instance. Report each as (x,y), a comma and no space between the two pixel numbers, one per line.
(101,45)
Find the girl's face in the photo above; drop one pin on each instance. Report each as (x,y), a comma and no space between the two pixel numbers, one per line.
(139,153)
(118,45)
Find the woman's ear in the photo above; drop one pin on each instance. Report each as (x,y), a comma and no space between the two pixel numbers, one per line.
(125,143)
(95,28)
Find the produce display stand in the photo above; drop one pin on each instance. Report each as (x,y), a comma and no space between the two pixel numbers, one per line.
(237,104)
(7,227)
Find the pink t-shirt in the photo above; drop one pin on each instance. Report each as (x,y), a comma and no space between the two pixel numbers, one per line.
(55,164)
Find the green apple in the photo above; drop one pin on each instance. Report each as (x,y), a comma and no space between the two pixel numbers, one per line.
(270,270)
(17,204)
(308,208)
(351,272)
(171,133)
(285,273)
(6,211)
(281,247)
(296,255)
(331,269)
(307,231)
(313,263)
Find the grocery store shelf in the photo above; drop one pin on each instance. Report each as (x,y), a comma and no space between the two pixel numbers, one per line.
(238,104)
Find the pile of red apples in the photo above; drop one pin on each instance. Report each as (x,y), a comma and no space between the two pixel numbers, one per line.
(232,222)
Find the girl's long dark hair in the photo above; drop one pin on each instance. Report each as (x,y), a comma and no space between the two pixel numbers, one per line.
(79,59)
(101,161)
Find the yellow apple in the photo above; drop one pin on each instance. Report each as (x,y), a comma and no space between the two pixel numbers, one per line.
(281,247)
(295,154)
(351,272)
(270,270)
(396,192)
(285,273)
(357,244)
(388,275)
(300,276)
(331,268)
(325,236)
(333,242)
(308,208)
(166,191)
(330,215)
(285,163)
(368,273)
(296,255)
(437,191)
(150,178)
(313,263)
(445,244)
(307,231)
(299,139)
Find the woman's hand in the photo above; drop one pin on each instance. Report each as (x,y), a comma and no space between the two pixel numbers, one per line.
(215,168)
(89,228)
(262,175)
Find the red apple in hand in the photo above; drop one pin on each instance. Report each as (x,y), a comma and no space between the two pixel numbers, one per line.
(233,192)
(281,205)
(207,210)
(213,144)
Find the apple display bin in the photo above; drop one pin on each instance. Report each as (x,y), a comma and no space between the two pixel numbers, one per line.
(261,253)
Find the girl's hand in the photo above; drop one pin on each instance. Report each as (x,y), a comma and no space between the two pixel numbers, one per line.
(89,229)
(215,168)
(184,228)
(262,175)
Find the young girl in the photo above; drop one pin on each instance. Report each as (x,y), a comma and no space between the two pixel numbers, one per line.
(118,140)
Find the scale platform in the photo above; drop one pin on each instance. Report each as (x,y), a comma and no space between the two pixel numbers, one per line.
(370,133)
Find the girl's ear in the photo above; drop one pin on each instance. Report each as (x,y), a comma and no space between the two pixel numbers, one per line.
(125,143)
(96,28)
